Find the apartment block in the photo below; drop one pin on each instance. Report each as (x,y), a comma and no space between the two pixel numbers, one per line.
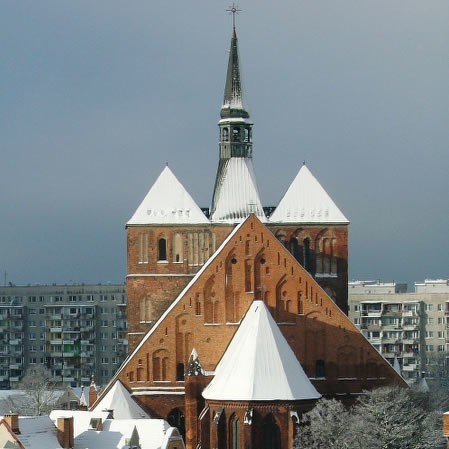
(411,327)
(76,331)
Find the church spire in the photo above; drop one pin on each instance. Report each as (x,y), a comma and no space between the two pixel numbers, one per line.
(235,194)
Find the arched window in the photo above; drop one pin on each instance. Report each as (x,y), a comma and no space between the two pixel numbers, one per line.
(180,372)
(225,134)
(234,432)
(162,249)
(295,250)
(320,368)
(307,255)
(177,248)
(271,433)
(176,419)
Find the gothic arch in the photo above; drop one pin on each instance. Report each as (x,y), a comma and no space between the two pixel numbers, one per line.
(160,365)
(211,302)
(231,296)
(271,433)
(162,248)
(178,253)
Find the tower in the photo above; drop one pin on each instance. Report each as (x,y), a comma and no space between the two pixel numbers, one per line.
(169,237)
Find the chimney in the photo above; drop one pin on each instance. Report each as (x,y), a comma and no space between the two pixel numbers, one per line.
(65,432)
(13,421)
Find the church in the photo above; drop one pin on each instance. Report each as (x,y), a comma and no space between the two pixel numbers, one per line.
(237,313)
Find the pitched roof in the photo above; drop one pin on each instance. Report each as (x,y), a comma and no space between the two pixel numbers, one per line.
(306,201)
(120,401)
(259,364)
(168,202)
(37,432)
(115,433)
(236,195)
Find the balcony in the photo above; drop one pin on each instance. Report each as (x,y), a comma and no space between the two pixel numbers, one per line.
(373,327)
(15,342)
(409,367)
(409,341)
(56,329)
(371,313)
(407,313)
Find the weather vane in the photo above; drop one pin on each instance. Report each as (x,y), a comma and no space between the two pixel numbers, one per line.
(234,9)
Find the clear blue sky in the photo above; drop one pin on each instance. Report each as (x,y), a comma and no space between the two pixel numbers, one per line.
(97,96)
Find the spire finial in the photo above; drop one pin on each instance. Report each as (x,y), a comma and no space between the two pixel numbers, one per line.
(234,9)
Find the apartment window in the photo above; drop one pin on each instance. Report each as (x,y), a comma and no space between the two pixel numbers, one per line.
(41,298)
(440,320)
(105,360)
(72,298)
(440,307)
(429,320)
(104,335)
(41,311)
(33,360)
(103,298)
(104,323)
(429,334)
(90,298)
(115,360)
(429,307)
(32,335)
(440,334)
(441,348)
(33,312)
(32,299)
(429,347)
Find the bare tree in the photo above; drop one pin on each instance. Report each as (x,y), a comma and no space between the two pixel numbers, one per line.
(39,391)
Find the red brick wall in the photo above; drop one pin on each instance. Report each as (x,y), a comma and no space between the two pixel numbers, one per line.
(206,317)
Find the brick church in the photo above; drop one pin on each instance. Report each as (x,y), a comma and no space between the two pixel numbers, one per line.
(237,313)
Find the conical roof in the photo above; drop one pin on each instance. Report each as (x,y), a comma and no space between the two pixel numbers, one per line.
(168,202)
(259,364)
(306,201)
(236,195)
(121,403)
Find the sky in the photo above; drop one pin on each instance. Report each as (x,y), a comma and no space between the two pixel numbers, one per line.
(96,97)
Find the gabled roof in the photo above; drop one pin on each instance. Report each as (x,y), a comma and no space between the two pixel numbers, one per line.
(259,364)
(117,433)
(121,403)
(168,202)
(306,201)
(236,195)
(36,432)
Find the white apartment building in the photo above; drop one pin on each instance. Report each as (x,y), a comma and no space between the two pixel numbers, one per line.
(409,326)
(76,331)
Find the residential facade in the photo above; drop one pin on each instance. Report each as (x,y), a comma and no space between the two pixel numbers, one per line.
(411,327)
(76,331)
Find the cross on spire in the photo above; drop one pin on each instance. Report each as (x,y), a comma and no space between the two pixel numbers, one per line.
(234,9)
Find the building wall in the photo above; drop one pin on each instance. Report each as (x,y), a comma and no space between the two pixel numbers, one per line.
(154,282)
(77,331)
(253,265)
(411,326)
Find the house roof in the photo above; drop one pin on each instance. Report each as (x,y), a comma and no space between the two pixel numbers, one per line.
(236,195)
(168,202)
(115,433)
(37,432)
(259,364)
(121,403)
(306,201)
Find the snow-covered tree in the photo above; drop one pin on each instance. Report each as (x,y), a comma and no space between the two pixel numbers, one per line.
(385,418)
(393,418)
(325,426)
(39,390)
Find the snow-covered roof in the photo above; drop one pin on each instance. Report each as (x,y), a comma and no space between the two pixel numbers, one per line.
(115,433)
(259,364)
(121,403)
(37,432)
(168,202)
(306,201)
(236,195)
